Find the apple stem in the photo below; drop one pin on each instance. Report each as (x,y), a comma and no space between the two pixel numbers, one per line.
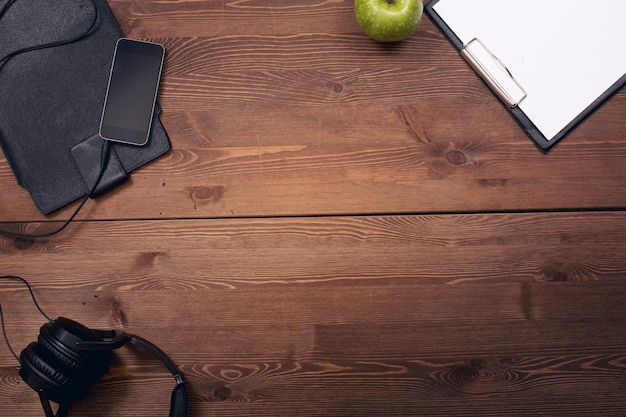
(391,1)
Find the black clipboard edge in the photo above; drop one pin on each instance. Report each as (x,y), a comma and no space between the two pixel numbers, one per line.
(520,117)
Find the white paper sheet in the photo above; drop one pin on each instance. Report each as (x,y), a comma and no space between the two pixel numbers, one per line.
(565,53)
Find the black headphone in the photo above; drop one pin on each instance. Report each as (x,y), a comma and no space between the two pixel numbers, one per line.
(68,359)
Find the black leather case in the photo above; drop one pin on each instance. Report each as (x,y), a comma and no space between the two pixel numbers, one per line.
(51,102)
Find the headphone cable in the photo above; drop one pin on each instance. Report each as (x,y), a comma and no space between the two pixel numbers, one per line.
(32,294)
(89,31)
(104,160)
(6,339)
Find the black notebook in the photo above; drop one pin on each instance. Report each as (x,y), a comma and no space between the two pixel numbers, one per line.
(51,101)
(552,64)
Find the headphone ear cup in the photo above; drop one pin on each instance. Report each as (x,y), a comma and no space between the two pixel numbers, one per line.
(53,364)
(178,407)
(69,361)
(42,372)
(60,340)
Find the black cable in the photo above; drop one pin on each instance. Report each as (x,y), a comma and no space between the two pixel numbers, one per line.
(105,145)
(32,294)
(76,38)
(4,334)
(106,152)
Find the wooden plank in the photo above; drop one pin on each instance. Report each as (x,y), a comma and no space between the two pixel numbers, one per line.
(400,315)
(314,162)
(422,314)
(229,253)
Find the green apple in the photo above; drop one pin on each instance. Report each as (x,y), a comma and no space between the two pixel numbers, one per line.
(388,20)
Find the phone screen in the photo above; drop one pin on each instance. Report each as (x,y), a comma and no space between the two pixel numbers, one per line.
(132,91)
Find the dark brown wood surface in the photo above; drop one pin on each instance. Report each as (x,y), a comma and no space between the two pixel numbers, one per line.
(342,228)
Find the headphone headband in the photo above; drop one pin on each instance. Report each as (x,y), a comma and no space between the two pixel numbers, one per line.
(119,339)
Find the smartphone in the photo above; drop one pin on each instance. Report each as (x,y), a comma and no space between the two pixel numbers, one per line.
(132,91)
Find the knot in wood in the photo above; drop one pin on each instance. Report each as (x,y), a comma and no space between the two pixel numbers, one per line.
(206,195)
(22,243)
(555,274)
(456,157)
(222,393)
(477,364)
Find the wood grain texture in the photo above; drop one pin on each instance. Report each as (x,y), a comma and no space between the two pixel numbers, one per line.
(341,229)
(272,116)
(427,315)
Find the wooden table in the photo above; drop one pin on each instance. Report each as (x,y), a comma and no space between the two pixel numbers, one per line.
(341,228)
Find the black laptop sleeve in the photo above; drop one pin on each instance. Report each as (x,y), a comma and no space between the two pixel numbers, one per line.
(51,101)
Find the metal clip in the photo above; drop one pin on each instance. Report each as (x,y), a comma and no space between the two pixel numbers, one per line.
(494,72)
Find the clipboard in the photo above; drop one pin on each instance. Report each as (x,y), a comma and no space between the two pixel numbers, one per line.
(551,65)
